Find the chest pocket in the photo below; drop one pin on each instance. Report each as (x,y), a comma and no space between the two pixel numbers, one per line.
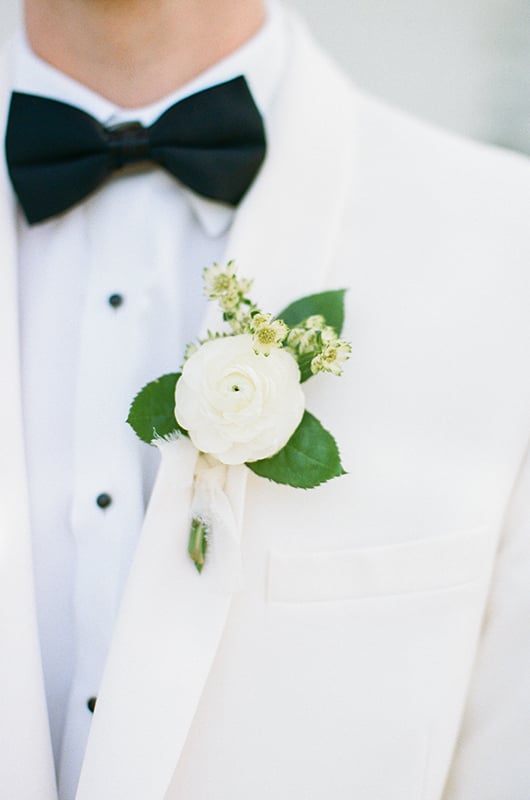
(423,565)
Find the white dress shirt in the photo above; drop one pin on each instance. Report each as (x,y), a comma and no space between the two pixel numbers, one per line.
(110,293)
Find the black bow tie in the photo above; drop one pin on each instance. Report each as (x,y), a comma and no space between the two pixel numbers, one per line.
(213,141)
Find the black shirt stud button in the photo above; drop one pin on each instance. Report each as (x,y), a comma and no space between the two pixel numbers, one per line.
(104,500)
(91,704)
(116,300)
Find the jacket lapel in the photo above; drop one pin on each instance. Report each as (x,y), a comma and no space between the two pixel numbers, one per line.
(284,232)
(172,619)
(162,649)
(26,766)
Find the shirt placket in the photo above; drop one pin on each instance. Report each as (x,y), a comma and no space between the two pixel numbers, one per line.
(108,492)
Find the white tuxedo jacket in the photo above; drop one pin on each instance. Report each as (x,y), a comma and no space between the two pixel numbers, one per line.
(379,646)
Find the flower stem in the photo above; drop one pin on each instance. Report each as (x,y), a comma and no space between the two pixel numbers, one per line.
(198,543)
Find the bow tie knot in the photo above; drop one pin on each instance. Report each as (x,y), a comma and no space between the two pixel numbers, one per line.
(213,142)
(128,143)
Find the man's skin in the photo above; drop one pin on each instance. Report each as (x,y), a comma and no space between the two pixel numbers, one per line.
(135,52)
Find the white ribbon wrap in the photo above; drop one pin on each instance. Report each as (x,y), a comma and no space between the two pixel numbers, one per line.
(218,498)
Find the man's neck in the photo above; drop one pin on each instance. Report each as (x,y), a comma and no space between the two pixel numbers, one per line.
(134,52)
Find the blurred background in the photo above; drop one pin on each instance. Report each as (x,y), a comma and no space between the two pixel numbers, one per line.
(464,64)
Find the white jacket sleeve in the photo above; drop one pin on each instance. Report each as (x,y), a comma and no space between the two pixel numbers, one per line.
(492,758)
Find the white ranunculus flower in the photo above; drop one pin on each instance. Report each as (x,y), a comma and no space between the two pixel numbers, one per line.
(236,404)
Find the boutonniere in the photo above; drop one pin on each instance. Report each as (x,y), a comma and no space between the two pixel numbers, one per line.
(239,395)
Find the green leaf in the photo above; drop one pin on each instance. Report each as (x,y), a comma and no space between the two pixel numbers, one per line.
(329,304)
(309,458)
(304,364)
(152,412)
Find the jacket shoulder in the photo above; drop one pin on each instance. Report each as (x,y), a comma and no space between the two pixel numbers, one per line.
(417,144)
(401,142)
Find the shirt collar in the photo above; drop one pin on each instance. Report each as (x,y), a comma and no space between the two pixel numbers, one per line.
(261,60)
